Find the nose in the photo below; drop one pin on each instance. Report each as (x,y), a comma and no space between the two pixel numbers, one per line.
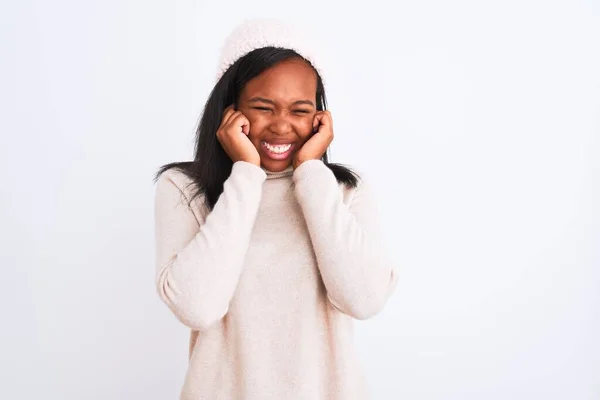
(281,125)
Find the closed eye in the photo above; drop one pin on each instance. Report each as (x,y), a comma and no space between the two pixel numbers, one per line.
(301,111)
(262,108)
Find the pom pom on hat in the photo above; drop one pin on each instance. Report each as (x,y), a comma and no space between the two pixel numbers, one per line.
(253,34)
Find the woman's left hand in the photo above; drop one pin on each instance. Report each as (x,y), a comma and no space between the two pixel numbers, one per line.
(317,145)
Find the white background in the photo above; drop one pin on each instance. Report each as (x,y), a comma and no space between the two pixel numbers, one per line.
(479,122)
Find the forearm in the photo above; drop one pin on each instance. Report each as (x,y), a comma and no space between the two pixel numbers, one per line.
(199,266)
(355,269)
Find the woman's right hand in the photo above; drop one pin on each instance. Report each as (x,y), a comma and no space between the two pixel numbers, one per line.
(233,136)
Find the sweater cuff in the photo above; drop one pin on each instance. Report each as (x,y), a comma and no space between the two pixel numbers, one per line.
(249,171)
(310,169)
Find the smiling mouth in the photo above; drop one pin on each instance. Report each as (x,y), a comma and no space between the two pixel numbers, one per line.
(277,151)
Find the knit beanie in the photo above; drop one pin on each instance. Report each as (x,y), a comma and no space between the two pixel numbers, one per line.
(253,34)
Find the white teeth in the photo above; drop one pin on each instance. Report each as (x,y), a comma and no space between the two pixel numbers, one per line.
(279,148)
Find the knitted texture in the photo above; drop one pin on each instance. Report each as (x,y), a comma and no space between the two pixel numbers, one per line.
(257,33)
(270,281)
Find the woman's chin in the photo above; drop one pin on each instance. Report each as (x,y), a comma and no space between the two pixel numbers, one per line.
(275,166)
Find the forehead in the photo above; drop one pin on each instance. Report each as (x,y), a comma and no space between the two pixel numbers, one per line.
(288,80)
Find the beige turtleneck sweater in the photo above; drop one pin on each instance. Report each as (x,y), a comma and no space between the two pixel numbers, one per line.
(270,280)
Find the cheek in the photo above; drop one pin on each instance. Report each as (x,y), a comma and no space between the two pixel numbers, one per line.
(304,128)
(257,126)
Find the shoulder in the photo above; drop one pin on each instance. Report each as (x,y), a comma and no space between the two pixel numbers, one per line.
(317,175)
(174,180)
(363,187)
(350,180)
(174,188)
(176,192)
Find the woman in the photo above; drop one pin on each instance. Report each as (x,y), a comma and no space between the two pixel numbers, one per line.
(265,250)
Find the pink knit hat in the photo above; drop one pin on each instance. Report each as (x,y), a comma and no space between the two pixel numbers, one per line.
(256,33)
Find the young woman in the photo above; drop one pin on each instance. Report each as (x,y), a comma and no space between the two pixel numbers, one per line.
(265,249)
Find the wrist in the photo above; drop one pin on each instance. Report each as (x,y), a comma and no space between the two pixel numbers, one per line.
(251,161)
(299,161)
(248,169)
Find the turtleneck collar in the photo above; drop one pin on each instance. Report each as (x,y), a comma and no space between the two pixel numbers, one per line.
(273,175)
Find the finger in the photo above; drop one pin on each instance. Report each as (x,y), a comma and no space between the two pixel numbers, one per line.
(231,121)
(315,124)
(225,127)
(325,118)
(229,111)
(317,121)
(240,121)
(322,119)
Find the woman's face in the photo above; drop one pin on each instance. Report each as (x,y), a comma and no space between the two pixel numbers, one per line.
(280,104)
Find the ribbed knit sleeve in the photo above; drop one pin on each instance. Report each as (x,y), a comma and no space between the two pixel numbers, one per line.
(354,266)
(199,255)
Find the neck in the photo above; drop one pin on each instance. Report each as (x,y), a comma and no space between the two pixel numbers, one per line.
(286,172)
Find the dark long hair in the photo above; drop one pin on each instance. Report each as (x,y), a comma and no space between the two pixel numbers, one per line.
(211,165)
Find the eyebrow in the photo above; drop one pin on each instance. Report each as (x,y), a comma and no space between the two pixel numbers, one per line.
(267,101)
